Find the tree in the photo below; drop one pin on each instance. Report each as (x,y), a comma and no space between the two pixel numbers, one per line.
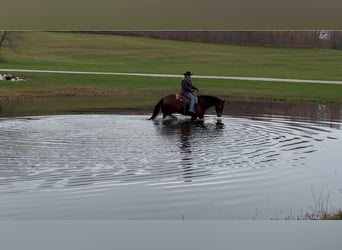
(3,35)
(8,39)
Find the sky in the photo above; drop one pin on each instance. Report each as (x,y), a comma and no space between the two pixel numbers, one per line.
(171,14)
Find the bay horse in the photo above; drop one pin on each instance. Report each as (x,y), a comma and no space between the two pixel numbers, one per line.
(170,105)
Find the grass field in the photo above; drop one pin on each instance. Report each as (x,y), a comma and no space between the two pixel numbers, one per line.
(85,52)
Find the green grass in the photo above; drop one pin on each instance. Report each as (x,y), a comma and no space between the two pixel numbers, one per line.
(59,51)
(152,88)
(84,52)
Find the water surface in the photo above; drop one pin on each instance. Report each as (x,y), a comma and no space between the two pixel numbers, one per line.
(106,166)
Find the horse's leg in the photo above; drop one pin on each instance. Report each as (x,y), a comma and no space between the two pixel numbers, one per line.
(166,109)
(166,114)
(199,112)
(172,116)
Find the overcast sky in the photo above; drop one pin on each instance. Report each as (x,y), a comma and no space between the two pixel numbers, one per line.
(171,14)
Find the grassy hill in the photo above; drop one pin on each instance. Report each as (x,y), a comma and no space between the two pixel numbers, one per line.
(105,53)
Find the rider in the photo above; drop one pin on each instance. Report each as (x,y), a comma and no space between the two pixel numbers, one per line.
(188,89)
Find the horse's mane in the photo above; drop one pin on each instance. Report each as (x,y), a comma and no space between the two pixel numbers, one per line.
(209,97)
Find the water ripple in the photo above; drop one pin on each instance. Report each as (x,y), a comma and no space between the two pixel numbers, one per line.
(84,155)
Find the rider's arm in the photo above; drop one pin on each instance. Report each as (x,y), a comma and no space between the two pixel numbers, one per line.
(194,88)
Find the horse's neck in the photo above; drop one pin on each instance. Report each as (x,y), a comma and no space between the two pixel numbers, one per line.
(208,102)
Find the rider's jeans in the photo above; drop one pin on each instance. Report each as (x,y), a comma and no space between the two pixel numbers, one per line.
(192,100)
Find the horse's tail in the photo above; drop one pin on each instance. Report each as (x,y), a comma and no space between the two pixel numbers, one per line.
(156,110)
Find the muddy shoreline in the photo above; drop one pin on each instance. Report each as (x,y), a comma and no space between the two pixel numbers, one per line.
(110,105)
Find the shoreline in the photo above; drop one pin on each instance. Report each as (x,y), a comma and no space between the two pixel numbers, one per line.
(109,104)
(124,95)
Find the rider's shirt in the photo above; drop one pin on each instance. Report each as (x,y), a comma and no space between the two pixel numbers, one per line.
(187,86)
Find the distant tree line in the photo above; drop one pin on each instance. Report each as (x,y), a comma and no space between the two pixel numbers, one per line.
(308,39)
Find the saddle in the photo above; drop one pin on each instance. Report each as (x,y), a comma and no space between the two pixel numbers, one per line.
(182,98)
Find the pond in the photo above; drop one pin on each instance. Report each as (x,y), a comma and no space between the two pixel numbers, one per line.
(255,162)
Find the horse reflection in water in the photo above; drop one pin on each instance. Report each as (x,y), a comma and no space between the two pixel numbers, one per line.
(193,140)
(185,149)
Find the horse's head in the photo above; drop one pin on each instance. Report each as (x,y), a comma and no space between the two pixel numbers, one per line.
(219,107)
